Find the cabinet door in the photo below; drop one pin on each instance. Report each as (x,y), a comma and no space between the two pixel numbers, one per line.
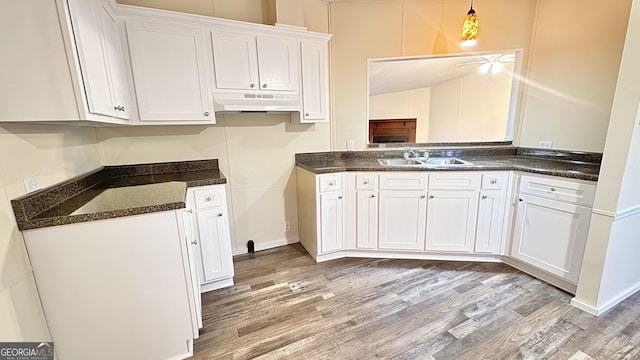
(87,28)
(235,60)
(191,245)
(314,81)
(491,212)
(402,220)
(551,235)
(118,74)
(277,63)
(451,220)
(366,219)
(169,71)
(215,244)
(331,222)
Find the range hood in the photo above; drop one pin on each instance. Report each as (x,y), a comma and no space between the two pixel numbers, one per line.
(255,102)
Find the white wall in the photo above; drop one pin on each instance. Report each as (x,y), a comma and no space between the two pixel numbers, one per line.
(407,104)
(574,61)
(392,28)
(54,154)
(611,270)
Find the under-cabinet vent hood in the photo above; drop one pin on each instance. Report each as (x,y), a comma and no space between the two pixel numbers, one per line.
(238,102)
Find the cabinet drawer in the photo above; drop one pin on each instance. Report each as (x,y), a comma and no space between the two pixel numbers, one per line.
(404,181)
(366,181)
(454,181)
(556,189)
(330,182)
(206,198)
(494,180)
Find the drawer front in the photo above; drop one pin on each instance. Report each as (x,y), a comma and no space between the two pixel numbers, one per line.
(556,189)
(495,180)
(403,181)
(454,181)
(366,181)
(210,197)
(330,182)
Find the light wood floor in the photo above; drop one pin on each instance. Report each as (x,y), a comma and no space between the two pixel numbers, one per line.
(285,306)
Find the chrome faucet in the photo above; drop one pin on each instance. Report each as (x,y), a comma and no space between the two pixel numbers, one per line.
(409,153)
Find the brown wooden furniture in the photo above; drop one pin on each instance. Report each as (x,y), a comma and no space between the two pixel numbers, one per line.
(392,130)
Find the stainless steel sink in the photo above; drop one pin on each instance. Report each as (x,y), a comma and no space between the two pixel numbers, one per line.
(400,162)
(443,161)
(425,162)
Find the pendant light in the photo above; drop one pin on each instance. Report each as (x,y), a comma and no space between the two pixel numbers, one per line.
(470,28)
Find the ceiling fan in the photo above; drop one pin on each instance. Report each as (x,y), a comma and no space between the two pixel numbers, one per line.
(492,64)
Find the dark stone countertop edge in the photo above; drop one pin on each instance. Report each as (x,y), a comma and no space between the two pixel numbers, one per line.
(28,207)
(536,161)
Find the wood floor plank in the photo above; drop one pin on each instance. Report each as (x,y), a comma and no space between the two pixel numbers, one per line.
(285,306)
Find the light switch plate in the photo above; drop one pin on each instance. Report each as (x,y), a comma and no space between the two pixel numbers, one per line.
(350,145)
(543,144)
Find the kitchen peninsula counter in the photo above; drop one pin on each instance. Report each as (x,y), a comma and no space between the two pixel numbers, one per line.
(569,164)
(115,191)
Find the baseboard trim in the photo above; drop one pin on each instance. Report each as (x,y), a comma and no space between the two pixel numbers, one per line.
(266,246)
(540,274)
(584,307)
(599,310)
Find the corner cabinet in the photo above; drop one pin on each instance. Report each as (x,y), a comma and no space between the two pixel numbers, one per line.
(169,64)
(97,39)
(551,226)
(210,240)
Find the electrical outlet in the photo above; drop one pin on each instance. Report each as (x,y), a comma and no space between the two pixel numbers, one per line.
(287,226)
(350,145)
(31,184)
(545,144)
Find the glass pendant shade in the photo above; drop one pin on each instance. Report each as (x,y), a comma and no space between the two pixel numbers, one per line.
(470,28)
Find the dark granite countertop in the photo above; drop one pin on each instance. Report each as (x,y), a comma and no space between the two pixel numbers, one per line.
(115,191)
(569,164)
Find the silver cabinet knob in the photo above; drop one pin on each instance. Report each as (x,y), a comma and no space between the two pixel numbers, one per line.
(194,242)
(553,189)
(208,198)
(423,196)
(264,86)
(339,197)
(118,108)
(483,197)
(331,183)
(219,214)
(190,211)
(493,181)
(431,196)
(306,114)
(252,86)
(520,199)
(365,182)
(206,113)
(372,196)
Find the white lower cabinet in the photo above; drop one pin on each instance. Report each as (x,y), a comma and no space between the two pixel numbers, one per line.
(331,222)
(451,220)
(491,216)
(366,219)
(211,241)
(402,219)
(551,235)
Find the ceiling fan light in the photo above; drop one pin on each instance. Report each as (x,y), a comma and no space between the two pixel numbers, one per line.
(470,28)
(484,68)
(497,67)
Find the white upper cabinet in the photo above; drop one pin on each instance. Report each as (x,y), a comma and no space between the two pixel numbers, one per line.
(315,74)
(100,55)
(248,62)
(169,64)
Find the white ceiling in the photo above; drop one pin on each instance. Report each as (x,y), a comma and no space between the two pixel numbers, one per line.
(400,74)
